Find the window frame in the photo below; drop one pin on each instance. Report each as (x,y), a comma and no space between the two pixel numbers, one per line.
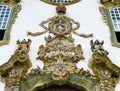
(56,3)
(14,10)
(107,18)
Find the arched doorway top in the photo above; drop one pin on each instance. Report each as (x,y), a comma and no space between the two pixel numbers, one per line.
(61,88)
(77,81)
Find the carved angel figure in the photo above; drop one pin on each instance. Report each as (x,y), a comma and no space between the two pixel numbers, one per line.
(97,47)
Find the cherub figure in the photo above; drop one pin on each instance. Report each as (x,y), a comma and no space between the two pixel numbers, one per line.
(97,47)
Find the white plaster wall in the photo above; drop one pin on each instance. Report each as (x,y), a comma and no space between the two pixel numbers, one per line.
(34,11)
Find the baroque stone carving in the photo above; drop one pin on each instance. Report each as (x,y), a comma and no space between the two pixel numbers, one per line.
(60,52)
(17,66)
(62,43)
(60,25)
(60,71)
(110,3)
(60,55)
(10,1)
(97,47)
(105,71)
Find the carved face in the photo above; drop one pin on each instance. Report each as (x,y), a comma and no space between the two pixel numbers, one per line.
(60,77)
(23,47)
(13,73)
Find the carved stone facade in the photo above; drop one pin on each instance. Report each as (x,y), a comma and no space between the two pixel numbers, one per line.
(10,1)
(106,72)
(14,71)
(109,3)
(60,56)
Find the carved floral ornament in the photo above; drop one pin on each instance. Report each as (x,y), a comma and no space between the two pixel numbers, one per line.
(60,57)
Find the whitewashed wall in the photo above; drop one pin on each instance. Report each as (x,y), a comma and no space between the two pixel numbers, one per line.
(34,11)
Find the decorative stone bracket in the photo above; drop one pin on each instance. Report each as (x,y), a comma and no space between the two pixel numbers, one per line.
(59,56)
(14,71)
(106,72)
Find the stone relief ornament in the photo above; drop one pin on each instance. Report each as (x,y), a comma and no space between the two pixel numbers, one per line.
(17,66)
(110,3)
(105,71)
(10,1)
(60,25)
(60,55)
(61,43)
(97,47)
(60,71)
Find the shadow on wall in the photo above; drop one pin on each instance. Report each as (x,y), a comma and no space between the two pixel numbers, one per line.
(60,88)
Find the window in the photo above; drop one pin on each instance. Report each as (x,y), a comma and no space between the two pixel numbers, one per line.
(115,18)
(62,0)
(112,16)
(7,14)
(4,16)
(56,2)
